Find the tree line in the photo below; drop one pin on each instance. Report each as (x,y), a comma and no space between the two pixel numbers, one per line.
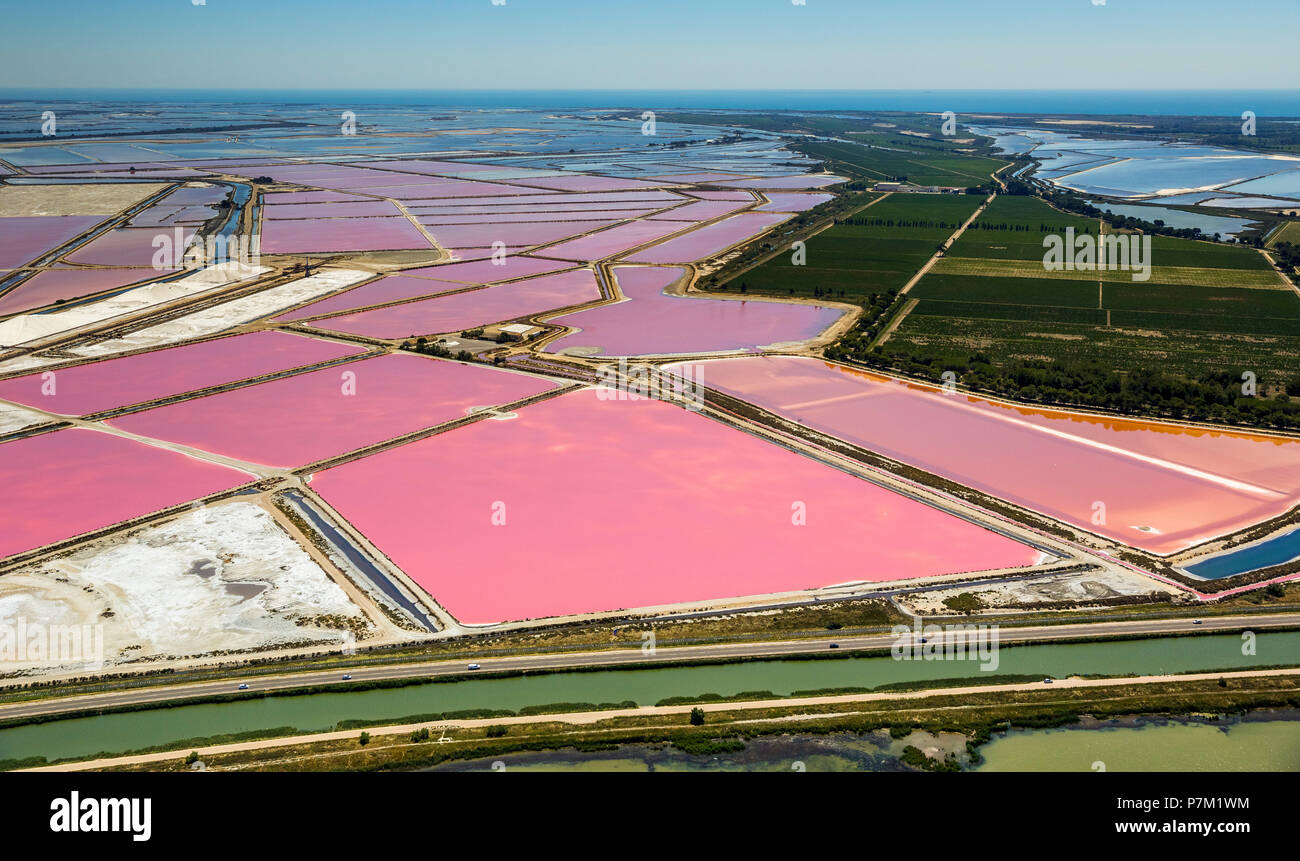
(1215,396)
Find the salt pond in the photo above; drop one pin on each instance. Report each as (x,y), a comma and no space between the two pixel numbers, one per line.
(701,496)
(649,322)
(1156,486)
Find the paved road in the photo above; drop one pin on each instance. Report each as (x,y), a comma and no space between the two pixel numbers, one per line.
(615,658)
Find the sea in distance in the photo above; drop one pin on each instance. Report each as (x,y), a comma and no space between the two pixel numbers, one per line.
(1227,103)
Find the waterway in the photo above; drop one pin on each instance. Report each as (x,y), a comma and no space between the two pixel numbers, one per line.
(117,733)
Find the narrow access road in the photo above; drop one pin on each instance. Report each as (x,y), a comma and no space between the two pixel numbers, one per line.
(920,273)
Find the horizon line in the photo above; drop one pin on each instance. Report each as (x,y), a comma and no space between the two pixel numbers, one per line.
(673,89)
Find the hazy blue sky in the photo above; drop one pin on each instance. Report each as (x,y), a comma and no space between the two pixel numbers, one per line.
(650,44)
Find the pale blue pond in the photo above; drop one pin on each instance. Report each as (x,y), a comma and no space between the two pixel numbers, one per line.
(1248,203)
(1164,170)
(1286,184)
(1209,224)
(1132,169)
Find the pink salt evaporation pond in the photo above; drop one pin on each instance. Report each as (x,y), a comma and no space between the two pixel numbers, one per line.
(66,483)
(130,246)
(535,216)
(745,196)
(615,240)
(709,240)
(330,210)
(48,287)
(793,202)
(294,421)
(462,254)
(587,183)
(650,323)
(516,234)
(701,210)
(461,311)
(702,176)
(555,210)
(801,181)
(706,514)
(341,234)
(98,386)
(488,271)
(331,176)
(428,167)
(612,199)
(1162,488)
(278,197)
(392,288)
(23,239)
(420,188)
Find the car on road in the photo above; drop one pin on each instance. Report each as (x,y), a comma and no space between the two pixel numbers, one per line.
(474,666)
(243,687)
(347,677)
(835,645)
(1196,621)
(1047,681)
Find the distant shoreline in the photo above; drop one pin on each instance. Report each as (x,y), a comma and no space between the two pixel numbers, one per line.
(1194,102)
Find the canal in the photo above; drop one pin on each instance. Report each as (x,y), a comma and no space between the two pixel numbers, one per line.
(117,733)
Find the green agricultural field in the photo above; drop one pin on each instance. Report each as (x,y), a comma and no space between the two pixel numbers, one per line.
(1139,313)
(1170,251)
(914,141)
(939,289)
(947,211)
(920,167)
(1289,232)
(1175,345)
(1263,279)
(992,311)
(1228,312)
(1013,228)
(1010,211)
(915,134)
(879,250)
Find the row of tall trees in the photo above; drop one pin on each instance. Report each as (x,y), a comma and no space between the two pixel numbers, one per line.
(1213,396)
